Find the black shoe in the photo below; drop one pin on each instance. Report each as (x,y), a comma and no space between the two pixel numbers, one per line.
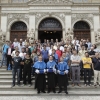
(43,92)
(38,92)
(54,91)
(12,85)
(18,84)
(59,91)
(48,92)
(66,92)
(21,79)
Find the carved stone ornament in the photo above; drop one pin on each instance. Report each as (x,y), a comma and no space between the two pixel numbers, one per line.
(2,36)
(12,17)
(51,2)
(97,35)
(69,34)
(82,16)
(50,14)
(31,35)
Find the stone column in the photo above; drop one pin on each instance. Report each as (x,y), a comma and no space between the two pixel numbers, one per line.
(8,35)
(96,27)
(92,36)
(67,21)
(36,34)
(32,22)
(0,16)
(4,22)
(96,22)
(63,34)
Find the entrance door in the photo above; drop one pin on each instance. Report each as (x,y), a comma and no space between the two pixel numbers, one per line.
(50,35)
(50,28)
(19,31)
(82,30)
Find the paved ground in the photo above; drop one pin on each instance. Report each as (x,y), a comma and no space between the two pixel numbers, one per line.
(51,98)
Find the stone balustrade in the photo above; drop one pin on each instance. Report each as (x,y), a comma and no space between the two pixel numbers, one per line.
(24,1)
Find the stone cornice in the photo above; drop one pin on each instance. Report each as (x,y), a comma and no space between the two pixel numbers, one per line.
(74,4)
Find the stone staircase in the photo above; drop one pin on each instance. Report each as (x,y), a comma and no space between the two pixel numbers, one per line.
(6,90)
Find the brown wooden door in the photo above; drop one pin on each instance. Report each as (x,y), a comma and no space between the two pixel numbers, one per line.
(18,34)
(82,34)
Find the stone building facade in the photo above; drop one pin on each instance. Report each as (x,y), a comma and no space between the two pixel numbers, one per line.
(50,18)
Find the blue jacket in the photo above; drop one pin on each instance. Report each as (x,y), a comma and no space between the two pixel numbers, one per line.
(5,47)
(51,64)
(62,66)
(39,65)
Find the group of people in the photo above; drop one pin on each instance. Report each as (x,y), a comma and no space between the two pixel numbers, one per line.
(58,61)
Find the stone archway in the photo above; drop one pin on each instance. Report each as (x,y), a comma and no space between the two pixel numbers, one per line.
(50,28)
(82,30)
(18,30)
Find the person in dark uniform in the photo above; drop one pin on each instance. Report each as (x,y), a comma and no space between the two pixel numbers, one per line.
(51,71)
(16,62)
(27,62)
(40,70)
(62,70)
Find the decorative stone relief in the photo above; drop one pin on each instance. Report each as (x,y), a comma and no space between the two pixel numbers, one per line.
(69,34)
(82,16)
(18,16)
(97,36)
(50,2)
(50,14)
(2,36)
(31,35)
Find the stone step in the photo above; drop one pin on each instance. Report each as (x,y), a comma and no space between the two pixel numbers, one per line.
(10,77)
(34,92)
(9,80)
(21,87)
(4,70)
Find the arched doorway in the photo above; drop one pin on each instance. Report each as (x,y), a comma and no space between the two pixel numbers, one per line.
(18,30)
(50,28)
(82,30)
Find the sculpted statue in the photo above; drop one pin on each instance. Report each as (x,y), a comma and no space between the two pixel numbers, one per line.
(97,35)
(31,35)
(69,34)
(2,36)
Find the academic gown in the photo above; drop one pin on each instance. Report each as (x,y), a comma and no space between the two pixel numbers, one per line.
(62,80)
(40,82)
(51,74)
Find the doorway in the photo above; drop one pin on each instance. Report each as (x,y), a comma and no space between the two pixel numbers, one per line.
(82,30)
(50,28)
(18,30)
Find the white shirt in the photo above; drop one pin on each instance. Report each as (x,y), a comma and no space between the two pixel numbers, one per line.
(20,47)
(62,48)
(50,51)
(75,58)
(22,55)
(13,54)
(77,42)
(15,44)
